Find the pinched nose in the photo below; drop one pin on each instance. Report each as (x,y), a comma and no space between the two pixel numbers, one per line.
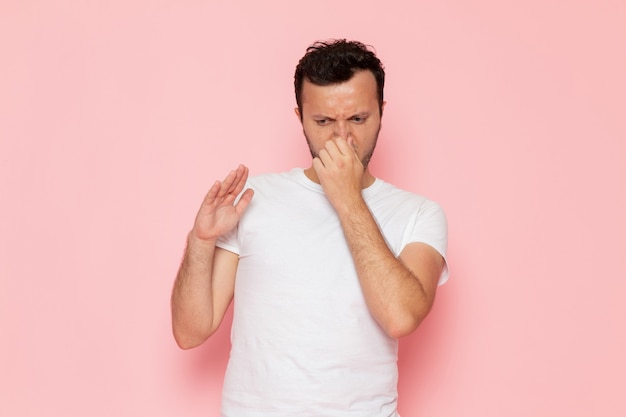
(342,129)
(349,139)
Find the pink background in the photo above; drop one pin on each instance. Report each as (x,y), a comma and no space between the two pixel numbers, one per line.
(116,116)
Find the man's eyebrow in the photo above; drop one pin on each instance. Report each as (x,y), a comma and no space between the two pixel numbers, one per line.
(361,114)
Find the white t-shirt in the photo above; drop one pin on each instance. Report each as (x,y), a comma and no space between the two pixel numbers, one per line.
(303,340)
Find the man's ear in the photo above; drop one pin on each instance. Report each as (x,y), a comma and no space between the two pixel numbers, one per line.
(382,107)
(297,111)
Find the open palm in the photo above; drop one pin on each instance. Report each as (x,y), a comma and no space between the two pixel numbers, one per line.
(218,213)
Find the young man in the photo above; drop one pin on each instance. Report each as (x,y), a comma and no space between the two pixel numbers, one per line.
(328,265)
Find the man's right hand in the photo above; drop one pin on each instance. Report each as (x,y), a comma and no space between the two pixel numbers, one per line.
(218,213)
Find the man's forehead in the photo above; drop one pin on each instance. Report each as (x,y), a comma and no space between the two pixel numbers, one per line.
(361,85)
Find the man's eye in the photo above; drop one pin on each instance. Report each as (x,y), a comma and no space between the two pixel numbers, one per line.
(358,119)
(322,122)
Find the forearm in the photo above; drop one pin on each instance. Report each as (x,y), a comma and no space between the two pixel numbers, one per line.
(192,298)
(394,294)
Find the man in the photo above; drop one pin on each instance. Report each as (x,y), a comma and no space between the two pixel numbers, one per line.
(328,265)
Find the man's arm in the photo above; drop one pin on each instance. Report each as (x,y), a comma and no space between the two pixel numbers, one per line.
(399,291)
(205,281)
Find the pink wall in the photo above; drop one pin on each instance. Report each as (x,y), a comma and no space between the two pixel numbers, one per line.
(116,116)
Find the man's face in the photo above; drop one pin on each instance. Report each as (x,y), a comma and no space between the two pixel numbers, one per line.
(348,110)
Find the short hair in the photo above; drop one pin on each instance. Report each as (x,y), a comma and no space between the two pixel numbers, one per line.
(336,61)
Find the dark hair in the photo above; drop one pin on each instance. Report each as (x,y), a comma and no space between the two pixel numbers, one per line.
(335,62)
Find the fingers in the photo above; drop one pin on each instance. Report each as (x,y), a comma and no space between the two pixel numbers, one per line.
(346,147)
(243,202)
(336,149)
(234,182)
(229,188)
(212,193)
(240,180)
(227,183)
(328,153)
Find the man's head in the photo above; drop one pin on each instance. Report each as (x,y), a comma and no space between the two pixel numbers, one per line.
(334,62)
(339,91)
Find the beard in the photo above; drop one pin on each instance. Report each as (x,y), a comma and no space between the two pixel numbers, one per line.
(365,160)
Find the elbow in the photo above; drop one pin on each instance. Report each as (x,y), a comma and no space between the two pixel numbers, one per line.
(404,324)
(186,339)
(401,329)
(186,344)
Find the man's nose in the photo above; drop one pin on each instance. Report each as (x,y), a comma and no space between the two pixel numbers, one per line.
(342,129)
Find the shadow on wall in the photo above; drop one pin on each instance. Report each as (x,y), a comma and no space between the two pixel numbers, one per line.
(422,362)
(208,361)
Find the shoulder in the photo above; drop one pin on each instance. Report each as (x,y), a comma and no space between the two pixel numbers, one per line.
(273,178)
(385,194)
(267,182)
(293,181)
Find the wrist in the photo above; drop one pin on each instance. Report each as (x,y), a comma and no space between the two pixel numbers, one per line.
(194,240)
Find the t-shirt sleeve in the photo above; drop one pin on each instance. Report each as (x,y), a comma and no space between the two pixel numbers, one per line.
(229,241)
(429,225)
